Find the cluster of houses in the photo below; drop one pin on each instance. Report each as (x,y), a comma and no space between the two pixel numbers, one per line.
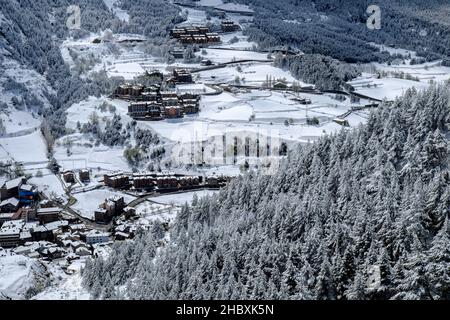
(229,26)
(162,182)
(139,92)
(33,226)
(150,103)
(17,199)
(165,105)
(200,35)
(69,176)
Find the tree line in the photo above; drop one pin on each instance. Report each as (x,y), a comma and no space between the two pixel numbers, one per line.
(360,214)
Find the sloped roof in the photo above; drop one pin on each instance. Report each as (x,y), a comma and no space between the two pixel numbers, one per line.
(10,201)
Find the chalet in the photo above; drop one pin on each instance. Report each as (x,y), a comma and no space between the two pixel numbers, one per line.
(342,122)
(46,215)
(168,182)
(10,233)
(27,194)
(121,236)
(188,182)
(4,217)
(280,85)
(200,39)
(9,216)
(83,252)
(27,213)
(212,182)
(58,226)
(51,251)
(149,96)
(117,181)
(177,53)
(67,239)
(124,90)
(212,37)
(303,101)
(155,77)
(9,205)
(171,112)
(74,245)
(48,232)
(285,50)
(102,216)
(185,95)
(10,188)
(229,26)
(145,182)
(145,111)
(110,208)
(41,233)
(129,212)
(177,32)
(77,227)
(69,176)
(182,76)
(96,236)
(46,204)
(137,109)
(186,39)
(154,111)
(206,62)
(170,101)
(354,99)
(168,94)
(115,205)
(202,29)
(27,249)
(84,175)
(137,90)
(190,108)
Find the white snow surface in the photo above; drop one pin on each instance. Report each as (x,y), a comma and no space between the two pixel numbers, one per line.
(17,275)
(89,201)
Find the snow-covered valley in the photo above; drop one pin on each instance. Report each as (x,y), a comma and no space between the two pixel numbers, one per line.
(242,95)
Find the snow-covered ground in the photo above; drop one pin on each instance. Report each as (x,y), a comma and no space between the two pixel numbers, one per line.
(17,123)
(391,87)
(19,275)
(89,201)
(182,198)
(62,285)
(244,113)
(219,4)
(18,148)
(121,14)
(49,184)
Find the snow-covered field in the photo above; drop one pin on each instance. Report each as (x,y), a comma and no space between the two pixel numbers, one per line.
(121,14)
(225,6)
(88,202)
(391,87)
(243,112)
(64,286)
(149,211)
(181,198)
(19,274)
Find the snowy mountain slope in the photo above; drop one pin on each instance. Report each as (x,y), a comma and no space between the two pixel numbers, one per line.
(121,14)
(21,277)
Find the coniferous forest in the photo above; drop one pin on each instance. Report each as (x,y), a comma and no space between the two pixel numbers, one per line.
(362,214)
(338,28)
